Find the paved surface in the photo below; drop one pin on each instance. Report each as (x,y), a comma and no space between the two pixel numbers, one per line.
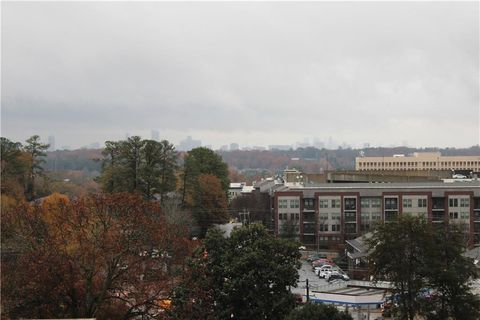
(316,283)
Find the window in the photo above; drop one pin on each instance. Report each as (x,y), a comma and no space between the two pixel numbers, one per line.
(323,204)
(464,202)
(407,203)
(453,202)
(422,203)
(297,216)
(365,216)
(308,203)
(294,204)
(350,203)
(350,216)
(464,215)
(365,203)
(336,216)
(336,227)
(335,203)
(376,203)
(323,216)
(376,216)
(280,216)
(391,203)
(453,215)
(282,204)
(323,227)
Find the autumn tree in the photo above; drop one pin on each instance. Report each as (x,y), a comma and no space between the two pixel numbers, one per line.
(36,151)
(202,161)
(245,276)
(137,165)
(209,202)
(103,256)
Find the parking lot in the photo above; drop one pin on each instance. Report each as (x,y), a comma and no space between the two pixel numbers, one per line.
(318,284)
(306,272)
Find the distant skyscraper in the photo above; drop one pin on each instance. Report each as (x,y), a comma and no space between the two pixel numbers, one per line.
(234,146)
(189,144)
(155,135)
(51,142)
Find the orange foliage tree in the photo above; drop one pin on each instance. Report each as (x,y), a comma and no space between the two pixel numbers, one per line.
(104,256)
(209,202)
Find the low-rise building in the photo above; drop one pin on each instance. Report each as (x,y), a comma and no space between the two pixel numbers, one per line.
(419,161)
(325,215)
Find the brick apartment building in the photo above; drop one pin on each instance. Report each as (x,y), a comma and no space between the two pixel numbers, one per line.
(327,214)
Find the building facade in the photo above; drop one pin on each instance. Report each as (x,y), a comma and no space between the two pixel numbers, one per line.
(419,161)
(328,214)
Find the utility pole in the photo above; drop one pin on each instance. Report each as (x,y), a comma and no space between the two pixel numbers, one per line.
(308,291)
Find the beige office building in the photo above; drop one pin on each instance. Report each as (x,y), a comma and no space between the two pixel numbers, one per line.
(419,161)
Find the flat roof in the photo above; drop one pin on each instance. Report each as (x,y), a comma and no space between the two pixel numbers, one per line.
(392,185)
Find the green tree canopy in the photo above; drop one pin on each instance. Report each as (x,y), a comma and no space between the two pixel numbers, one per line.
(416,257)
(320,311)
(145,166)
(245,276)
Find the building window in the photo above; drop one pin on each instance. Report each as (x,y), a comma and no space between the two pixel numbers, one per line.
(407,203)
(376,203)
(294,204)
(282,204)
(297,216)
(376,216)
(350,203)
(422,203)
(453,202)
(465,215)
(335,203)
(336,227)
(391,203)
(453,215)
(323,216)
(336,216)
(350,216)
(464,202)
(323,227)
(323,203)
(365,203)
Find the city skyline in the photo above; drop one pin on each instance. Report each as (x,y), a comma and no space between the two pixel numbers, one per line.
(362,72)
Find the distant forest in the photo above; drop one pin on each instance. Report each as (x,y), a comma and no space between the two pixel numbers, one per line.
(251,162)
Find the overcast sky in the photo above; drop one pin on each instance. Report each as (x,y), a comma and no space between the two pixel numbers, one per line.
(252,73)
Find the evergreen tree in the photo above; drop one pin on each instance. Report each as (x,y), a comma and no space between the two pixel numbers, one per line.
(36,151)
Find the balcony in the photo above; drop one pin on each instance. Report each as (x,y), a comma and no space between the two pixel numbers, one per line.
(351,228)
(438,216)
(438,203)
(476,215)
(391,215)
(309,217)
(308,229)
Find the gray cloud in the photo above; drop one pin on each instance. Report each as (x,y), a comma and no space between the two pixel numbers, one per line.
(254,73)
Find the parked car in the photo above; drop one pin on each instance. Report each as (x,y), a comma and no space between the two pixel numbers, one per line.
(317,269)
(334,275)
(316,256)
(320,262)
(326,269)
